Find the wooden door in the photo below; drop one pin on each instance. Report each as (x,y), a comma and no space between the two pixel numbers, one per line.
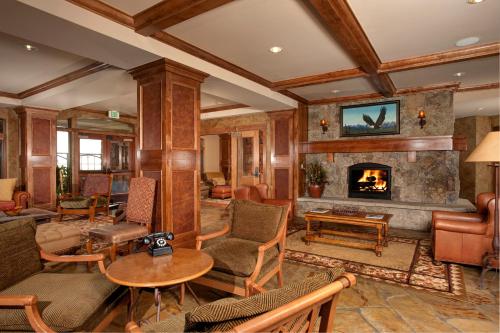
(248,158)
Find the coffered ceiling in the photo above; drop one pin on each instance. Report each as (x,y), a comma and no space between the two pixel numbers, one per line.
(331,50)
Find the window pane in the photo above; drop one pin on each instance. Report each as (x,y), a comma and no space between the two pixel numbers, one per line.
(90,154)
(62,148)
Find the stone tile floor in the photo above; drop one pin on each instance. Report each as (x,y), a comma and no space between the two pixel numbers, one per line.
(373,306)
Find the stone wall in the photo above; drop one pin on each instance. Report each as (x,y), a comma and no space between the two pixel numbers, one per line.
(433,178)
(12,149)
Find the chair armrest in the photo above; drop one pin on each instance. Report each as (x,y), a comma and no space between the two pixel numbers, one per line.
(461,227)
(266,246)
(99,257)
(201,238)
(457,216)
(132,327)
(30,304)
(21,198)
(120,214)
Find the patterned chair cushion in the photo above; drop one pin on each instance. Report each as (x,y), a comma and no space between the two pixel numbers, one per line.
(19,254)
(237,256)
(214,317)
(66,301)
(81,202)
(255,221)
(118,233)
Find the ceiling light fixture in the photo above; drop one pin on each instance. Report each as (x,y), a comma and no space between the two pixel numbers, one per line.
(30,47)
(335,91)
(467,41)
(459,74)
(276,49)
(473,2)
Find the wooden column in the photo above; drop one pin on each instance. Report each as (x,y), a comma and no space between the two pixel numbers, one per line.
(282,154)
(38,155)
(300,128)
(169,138)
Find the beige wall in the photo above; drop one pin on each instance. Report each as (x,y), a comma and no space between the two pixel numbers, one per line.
(211,153)
(12,149)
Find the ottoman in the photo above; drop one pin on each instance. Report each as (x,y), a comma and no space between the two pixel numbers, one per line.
(58,238)
(221,192)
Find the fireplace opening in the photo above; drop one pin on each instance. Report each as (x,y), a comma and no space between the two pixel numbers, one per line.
(370,181)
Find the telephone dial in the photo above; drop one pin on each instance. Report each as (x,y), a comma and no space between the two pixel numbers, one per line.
(157,243)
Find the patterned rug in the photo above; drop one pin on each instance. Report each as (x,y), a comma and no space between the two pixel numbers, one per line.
(420,273)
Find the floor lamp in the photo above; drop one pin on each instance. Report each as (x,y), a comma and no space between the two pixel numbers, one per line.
(489,151)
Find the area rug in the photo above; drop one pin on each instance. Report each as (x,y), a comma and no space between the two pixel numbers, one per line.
(406,262)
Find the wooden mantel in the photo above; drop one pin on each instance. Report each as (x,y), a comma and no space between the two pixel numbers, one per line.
(394,144)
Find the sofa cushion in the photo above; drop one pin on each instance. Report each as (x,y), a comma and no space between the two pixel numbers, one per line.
(19,254)
(223,317)
(66,301)
(237,256)
(7,205)
(255,221)
(82,202)
(7,187)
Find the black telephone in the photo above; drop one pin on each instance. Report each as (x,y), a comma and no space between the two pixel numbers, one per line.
(157,243)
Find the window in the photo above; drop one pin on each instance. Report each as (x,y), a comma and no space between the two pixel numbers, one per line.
(63,148)
(90,154)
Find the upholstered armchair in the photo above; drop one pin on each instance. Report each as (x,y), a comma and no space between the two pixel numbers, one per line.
(464,237)
(259,193)
(220,189)
(34,300)
(94,197)
(297,307)
(252,251)
(11,199)
(138,215)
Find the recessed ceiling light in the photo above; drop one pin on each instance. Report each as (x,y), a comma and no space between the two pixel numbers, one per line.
(335,91)
(467,41)
(276,49)
(30,47)
(459,74)
(480,109)
(473,2)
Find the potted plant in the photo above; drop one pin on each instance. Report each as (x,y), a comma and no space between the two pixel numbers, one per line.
(316,179)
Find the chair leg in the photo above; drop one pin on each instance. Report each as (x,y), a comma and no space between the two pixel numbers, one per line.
(59,211)
(88,245)
(280,277)
(182,292)
(112,251)
(91,215)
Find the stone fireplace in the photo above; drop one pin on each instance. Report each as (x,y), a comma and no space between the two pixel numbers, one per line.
(369,181)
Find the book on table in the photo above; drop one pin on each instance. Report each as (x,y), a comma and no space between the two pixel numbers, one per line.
(319,210)
(374,216)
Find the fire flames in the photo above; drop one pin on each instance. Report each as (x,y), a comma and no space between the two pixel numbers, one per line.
(373,180)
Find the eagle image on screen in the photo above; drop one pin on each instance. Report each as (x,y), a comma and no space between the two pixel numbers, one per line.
(370,119)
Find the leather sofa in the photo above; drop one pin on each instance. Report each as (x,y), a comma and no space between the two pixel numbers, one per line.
(19,199)
(464,237)
(258,193)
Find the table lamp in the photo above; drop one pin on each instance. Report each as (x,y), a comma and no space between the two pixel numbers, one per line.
(488,150)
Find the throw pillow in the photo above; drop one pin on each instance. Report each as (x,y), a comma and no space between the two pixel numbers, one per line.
(19,252)
(223,317)
(7,188)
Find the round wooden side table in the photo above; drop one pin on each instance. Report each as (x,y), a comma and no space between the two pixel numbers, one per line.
(141,270)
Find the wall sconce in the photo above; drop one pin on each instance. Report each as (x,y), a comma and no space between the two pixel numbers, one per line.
(421,116)
(324,125)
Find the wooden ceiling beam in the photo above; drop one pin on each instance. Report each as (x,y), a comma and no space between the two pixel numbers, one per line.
(441,58)
(340,22)
(432,87)
(8,94)
(319,78)
(171,12)
(223,108)
(105,10)
(494,85)
(79,73)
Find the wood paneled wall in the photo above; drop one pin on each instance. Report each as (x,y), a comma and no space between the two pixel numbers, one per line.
(169,139)
(38,155)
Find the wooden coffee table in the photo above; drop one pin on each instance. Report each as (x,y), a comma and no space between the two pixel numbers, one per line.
(358,219)
(141,270)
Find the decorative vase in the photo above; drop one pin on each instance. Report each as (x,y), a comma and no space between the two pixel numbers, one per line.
(315,191)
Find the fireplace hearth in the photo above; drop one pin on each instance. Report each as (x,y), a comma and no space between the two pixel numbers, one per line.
(370,181)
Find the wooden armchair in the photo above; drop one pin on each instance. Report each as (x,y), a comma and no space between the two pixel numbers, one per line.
(69,301)
(253,251)
(138,215)
(94,197)
(294,308)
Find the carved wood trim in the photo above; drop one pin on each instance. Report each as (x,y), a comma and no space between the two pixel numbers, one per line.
(414,90)
(8,94)
(168,13)
(411,144)
(223,108)
(341,23)
(494,85)
(106,11)
(319,78)
(441,58)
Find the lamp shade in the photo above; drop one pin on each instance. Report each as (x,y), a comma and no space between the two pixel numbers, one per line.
(488,150)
